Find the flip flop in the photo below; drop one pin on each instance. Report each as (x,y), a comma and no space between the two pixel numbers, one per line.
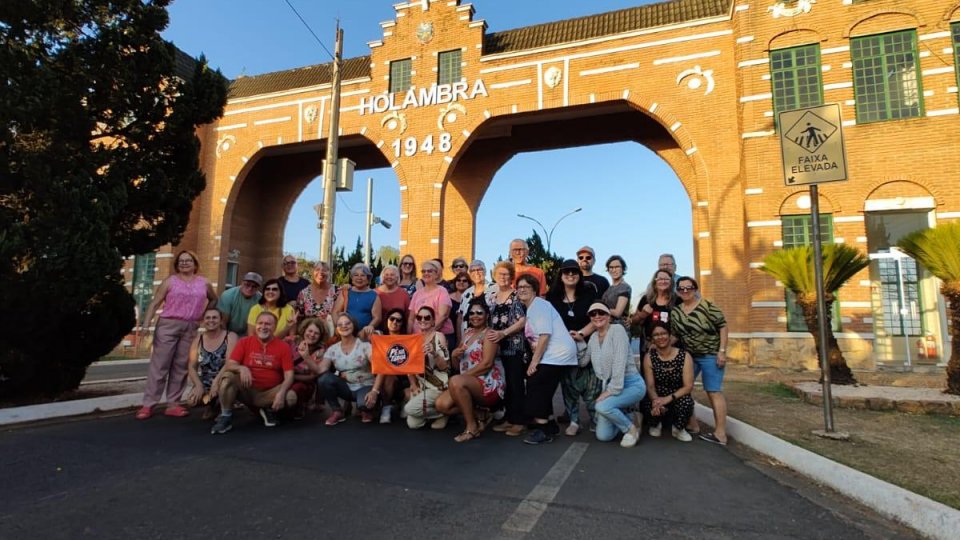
(467,435)
(711,438)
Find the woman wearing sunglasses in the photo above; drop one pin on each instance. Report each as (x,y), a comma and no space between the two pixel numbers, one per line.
(669,374)
(623,387)
(421,405)
(388,386)
(480,382)
(702,329)
(275,301)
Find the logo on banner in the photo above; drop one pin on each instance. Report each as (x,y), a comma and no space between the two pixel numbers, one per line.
(398,355)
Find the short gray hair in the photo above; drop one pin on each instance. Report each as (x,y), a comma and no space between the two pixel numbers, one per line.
(363,268)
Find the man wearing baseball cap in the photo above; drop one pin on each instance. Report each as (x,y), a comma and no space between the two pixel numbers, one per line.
(586,258)
(235,303)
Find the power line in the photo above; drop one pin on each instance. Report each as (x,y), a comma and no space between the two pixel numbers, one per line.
(351,210)
(297,13)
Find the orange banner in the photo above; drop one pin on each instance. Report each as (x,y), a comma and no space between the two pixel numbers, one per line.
(397,355)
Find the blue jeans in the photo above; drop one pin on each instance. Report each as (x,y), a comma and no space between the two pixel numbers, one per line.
(611,418)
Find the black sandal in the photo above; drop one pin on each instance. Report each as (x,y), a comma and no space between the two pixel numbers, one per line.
(711,438)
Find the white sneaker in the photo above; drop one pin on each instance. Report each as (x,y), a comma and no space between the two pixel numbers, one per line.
(440,423)
(654,431)
(629,439)
(681,435)
(572,430)
(386,414)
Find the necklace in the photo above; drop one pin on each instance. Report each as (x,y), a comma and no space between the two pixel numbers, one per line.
(569,304)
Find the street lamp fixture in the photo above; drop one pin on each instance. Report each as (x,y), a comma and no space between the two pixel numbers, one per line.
(549,235)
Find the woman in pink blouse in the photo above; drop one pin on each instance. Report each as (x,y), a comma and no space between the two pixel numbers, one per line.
(184,296)
(434,296)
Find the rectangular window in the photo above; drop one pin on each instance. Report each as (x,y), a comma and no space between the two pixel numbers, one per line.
(449,67)
(144,270)
(233,272)
(400,73)
(898,276)
(886,76)
(798,231)
(955,31)
(795,75)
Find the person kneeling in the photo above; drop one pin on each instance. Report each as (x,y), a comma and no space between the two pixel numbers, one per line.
(609,352)
(421,405)
(669,373)
(480,382)
(259,373)
(353,380)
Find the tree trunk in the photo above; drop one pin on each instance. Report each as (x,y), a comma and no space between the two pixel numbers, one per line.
(951,291)
(839,371)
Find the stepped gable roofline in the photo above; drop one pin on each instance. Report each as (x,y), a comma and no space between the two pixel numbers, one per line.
(603,24)
(277,81)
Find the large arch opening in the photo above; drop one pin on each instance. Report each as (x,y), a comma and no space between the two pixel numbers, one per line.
(617,162)
(260,203)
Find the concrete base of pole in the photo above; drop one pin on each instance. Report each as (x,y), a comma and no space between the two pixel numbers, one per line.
(832,435)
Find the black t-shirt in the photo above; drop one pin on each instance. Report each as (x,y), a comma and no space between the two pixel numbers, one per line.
(660,313)
(574,314)
(599,282)
(291,290)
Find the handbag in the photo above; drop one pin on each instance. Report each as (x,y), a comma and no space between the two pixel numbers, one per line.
(433,377)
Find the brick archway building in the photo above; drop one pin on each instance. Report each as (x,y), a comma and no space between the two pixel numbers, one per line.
(446,104)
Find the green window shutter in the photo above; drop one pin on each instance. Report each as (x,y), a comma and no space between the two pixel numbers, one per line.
(449,67)
(400,75)
(798,231)
(796,78)
(886,77)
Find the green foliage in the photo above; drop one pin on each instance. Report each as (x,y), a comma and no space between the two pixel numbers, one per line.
(538,256)
(794,267)
(937,249)
(98,160)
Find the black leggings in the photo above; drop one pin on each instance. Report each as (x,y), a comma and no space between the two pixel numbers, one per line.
(515,371)
(541,387)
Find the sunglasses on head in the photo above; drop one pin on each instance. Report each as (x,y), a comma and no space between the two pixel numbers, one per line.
(597,313)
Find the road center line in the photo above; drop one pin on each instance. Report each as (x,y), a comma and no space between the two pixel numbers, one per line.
(528,512)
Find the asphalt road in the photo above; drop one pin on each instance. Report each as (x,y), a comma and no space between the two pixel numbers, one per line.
(115,477)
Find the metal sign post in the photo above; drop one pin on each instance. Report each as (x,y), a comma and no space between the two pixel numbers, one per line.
(811,145)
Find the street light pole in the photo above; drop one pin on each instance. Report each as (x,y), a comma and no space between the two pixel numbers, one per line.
(549,235)
(371,221)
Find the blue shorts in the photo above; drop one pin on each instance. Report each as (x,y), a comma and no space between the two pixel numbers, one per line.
(712,375)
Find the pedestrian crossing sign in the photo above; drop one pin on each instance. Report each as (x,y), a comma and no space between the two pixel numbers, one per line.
(811,144)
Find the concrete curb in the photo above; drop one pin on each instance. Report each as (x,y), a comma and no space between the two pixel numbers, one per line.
(930,518)
(47,411)
(121,362)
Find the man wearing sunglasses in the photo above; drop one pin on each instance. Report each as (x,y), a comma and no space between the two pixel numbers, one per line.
(586,258)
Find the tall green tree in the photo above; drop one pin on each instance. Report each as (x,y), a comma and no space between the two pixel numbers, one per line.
(938,250)
(99,160)
(794,268)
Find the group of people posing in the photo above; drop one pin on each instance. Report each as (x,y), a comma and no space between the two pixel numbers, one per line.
(493,352)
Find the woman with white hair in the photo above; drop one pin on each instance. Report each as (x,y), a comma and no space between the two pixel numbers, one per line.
(477,271)
(360,301)
(392,295)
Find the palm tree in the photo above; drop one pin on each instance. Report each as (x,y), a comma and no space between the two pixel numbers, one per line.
(794,268)
(938,250)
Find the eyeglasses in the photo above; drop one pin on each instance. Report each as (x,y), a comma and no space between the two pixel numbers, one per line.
(394,319)
(408,263)
(518,249)
(427,271)
(616,267)
(664,279)
(476,313)
(524,288)
(289,262)
(686,289)
(274,289)
(251,284)
(424,318)
(585,257)
(477,269)
(598,313)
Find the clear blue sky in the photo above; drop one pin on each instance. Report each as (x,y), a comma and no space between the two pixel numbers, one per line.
(633,204)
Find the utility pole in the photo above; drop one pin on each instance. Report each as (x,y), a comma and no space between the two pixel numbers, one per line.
(370,222)
(330,165)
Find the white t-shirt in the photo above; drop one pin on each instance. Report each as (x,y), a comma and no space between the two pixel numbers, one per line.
(543,319)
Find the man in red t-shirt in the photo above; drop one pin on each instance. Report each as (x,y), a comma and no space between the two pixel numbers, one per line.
(259,373)
(518,254)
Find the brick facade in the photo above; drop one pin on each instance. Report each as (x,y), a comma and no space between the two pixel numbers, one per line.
(689,79)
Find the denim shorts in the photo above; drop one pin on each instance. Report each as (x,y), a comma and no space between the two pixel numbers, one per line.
(712,375)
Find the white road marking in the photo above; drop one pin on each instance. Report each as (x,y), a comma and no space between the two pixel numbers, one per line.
(528,512)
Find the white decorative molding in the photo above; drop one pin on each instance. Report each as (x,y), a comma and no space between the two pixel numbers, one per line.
(224,144)
(696,78)
(552,76)
(780,9)
(448,114)
(310,114)
(394,120)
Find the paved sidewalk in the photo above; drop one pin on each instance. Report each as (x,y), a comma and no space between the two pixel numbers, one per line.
(883,398)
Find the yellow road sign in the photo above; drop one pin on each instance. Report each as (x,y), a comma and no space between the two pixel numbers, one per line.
(811,144)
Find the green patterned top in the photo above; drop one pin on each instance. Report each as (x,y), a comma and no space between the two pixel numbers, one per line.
(699,330)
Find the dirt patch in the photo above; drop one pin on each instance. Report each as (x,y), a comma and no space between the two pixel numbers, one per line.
(916,452)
